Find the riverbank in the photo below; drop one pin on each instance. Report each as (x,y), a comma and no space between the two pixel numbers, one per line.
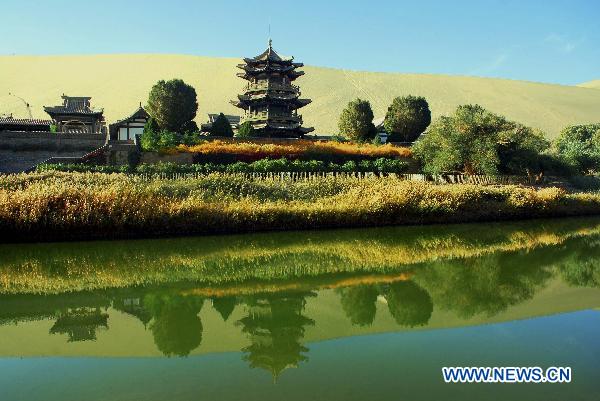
(73,206)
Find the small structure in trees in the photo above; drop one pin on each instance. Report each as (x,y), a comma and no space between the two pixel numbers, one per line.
(76,115)
(234,121)
(128,128)
(270,100)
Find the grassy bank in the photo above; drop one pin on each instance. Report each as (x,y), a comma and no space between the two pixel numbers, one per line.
(52,206)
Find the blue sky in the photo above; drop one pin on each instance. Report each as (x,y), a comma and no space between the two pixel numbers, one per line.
(548,41)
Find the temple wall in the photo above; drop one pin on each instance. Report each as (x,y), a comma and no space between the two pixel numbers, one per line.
(50,141)
(22,150)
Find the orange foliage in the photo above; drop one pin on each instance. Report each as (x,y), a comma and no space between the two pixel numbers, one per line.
(293,150)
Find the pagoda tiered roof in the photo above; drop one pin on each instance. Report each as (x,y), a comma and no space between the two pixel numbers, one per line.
(289,99)
(250,72)
(272,56)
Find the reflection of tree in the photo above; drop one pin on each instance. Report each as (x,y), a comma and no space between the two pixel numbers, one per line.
(409,304)
(581,266)
(176,326)
(80,324)
(359,303)
(275,326)
(487,284)
(225,306)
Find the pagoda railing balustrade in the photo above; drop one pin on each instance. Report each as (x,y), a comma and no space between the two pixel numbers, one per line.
(265,115)
(271,86)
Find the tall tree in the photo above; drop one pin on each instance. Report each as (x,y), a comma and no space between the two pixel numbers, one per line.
(407,118)
(356,121)
(173,104)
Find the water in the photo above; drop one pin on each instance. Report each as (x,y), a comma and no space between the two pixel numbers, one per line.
(332,315)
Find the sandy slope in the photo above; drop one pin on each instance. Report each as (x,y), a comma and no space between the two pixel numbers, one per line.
(119,82)
(591,84)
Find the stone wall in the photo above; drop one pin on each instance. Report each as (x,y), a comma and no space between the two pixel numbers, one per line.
(11,140)
(22,150)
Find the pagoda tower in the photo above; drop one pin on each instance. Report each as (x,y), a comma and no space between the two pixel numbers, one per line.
(270,99)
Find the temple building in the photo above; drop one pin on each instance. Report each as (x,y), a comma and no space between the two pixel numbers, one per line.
(76,115)
(130,127)
(271,100)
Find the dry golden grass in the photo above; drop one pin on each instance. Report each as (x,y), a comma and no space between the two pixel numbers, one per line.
(75,205)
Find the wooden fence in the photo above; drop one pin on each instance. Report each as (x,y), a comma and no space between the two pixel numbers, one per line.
(307,176)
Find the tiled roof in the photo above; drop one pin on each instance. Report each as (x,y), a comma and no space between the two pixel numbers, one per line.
(271,55)
(232,119)
(140,113)
(73,105)
(23,121)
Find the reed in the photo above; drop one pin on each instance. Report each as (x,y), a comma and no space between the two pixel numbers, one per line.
(51,206)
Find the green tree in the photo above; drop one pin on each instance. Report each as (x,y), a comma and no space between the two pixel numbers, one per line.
(221,127)
(246,130)
(407,118)
(476,141)
(151,135)
(173,104)
(579,146)
(356,121)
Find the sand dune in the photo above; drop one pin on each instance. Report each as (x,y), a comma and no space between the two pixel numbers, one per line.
(120,82)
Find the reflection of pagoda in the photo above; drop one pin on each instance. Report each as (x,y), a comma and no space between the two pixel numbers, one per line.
(80,324)
(275,326)
(270,100)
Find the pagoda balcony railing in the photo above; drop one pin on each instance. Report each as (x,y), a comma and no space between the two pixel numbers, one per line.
(261,86)
(263,115)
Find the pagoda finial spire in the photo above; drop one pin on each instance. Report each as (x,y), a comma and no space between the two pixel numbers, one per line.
(270,43)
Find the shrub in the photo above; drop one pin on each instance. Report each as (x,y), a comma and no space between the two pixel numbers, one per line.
(356,121)
(246,130)
(169,139)
(151,136)
(406,118)
(221,127)
(191,138)
(476,141)
(579,147)
(381,165)
(224,151)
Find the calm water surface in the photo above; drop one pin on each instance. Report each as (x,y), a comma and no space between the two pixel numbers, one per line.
(333,315)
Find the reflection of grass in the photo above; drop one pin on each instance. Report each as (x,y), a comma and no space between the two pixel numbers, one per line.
(231,261)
